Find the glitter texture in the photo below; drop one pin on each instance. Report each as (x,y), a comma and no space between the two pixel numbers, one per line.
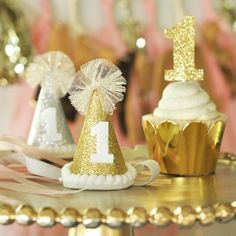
(47,100)
(15,43)
(87,144)
(183,51)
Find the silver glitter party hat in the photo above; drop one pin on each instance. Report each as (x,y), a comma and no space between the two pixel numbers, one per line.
(54,71)
(49,129)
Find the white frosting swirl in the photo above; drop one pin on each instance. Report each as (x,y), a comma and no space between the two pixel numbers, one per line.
(97,182)
(185,101)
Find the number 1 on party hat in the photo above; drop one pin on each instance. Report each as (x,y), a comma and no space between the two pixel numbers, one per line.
(98,161)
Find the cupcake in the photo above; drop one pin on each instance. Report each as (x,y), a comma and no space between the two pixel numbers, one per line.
(184,132)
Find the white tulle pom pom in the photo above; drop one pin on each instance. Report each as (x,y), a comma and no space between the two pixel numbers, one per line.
(55,68)
(100,75)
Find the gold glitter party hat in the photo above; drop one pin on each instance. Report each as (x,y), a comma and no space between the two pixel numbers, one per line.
(97,88)
(54,71)
(15,43)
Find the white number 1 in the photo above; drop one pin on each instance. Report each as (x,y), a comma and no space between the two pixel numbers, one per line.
(101,131)
(49,117)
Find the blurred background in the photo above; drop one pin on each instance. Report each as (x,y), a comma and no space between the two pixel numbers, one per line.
(130,34)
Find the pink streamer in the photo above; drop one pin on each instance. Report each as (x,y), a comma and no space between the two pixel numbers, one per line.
(46,172)
(110,31)
(11,143)
(41,29)
(19,177)
(15,177)
(27,186)
(209,13)
(9,200)
(29,189)
(22,94)
(155,42)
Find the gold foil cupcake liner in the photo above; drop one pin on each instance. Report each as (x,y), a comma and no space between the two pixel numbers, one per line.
(191,150)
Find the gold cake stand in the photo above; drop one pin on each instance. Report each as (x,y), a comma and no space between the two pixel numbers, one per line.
(182,201)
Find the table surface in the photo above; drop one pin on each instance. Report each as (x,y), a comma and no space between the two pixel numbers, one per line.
(172,199)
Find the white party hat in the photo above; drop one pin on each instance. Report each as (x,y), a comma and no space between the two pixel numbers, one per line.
(54,71)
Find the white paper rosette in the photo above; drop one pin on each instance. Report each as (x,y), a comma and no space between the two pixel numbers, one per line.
(54,68)
(102,76)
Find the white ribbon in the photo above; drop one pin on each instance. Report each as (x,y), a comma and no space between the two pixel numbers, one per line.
(152,166)
(14,151)
(44,169)
(34,166)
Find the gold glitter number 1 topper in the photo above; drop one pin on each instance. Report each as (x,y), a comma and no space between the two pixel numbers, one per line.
(184,52)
